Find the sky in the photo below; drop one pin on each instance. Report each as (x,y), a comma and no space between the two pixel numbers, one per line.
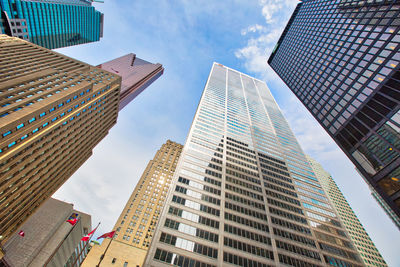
(187,36)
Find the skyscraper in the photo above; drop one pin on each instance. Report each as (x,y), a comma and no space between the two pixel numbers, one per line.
(51,23)
(49,240)
(341,60)
(243,192)
(53,111)
(136,75)
(135,226)
(369,253)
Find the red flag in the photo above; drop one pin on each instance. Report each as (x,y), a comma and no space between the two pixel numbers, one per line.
(21,233)
(72,221)
(110,235)
(89,235)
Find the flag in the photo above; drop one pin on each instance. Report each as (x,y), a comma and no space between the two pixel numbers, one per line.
(89,235)
(110,235)
(72,221)
(21,233)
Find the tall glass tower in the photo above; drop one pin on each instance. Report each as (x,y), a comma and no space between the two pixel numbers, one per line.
(342,61)
(369,253)
(51,23)
(243,192)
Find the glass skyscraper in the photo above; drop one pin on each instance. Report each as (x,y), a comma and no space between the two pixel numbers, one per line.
(341,59)
(243,192)
(369,253)
(51,23)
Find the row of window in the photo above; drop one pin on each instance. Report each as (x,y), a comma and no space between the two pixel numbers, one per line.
(199,186)
(296,262)
(314,201)
(333,240)
(197,195)
(242,183)
(244,164)
(246,211)
(312,207)
(312,194)
(245,201)
(287,215)
(237,168)
(282,197)
(278,182)
(178,260)
(193,217)
(297,238)
(243,192)
(268,173)
(240,152)
(246,221)
(273,164)
(261,252)
(194,205)
(243,176)
(236,155)
(297,250)
(338,251)
(292,226)
(285,206)
(52,120)
(265,168)
(246,234)
(189,245)
(200,177)
(190,230)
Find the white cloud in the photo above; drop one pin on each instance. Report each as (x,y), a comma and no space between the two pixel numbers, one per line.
(253,29)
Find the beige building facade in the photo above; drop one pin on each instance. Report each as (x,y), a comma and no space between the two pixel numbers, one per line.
(135,226)
(363,243)
(53,111)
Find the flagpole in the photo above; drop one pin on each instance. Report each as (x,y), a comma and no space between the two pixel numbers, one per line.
(83,249)
(105,251)
(62,242)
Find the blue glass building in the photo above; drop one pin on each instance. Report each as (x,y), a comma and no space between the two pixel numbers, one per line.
(51,23)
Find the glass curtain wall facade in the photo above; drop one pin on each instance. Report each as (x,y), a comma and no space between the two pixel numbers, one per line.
(243,193)
(369,253)
(51,24)
(341,59)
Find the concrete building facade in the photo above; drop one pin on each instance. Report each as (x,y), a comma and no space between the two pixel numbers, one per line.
(49,240)
(135,226)
(53,111)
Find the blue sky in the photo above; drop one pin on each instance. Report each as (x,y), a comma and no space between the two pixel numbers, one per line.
(186,37)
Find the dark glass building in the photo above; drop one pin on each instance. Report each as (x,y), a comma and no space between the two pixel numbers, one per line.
(51,23)
(341,59)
